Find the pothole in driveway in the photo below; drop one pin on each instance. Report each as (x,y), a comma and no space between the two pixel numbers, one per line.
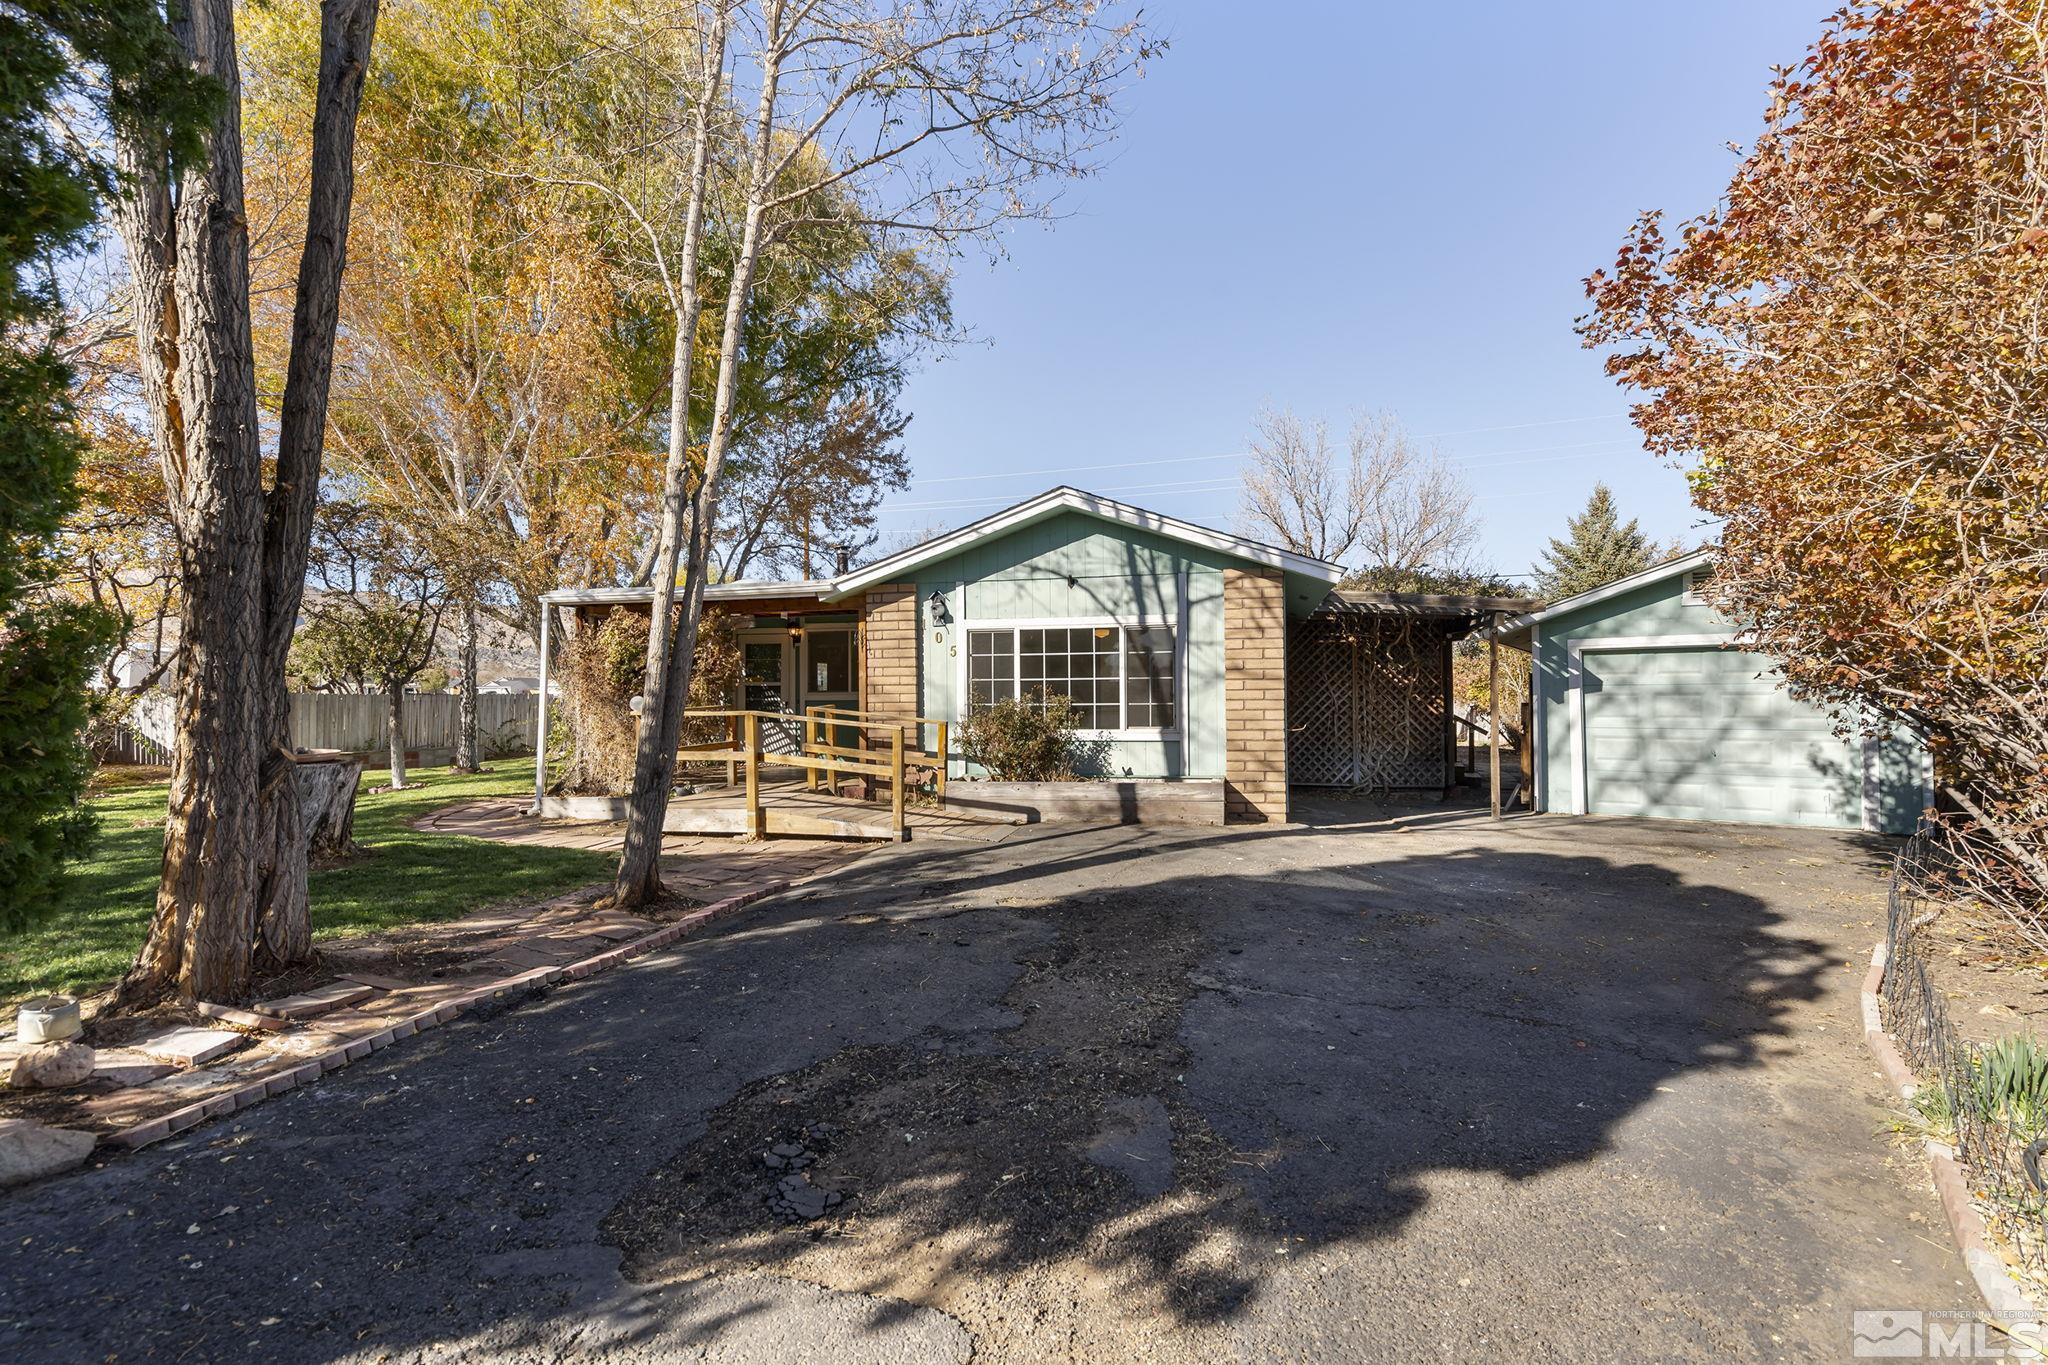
(1050,1167)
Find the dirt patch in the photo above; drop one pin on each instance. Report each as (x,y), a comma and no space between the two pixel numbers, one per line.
(1993,987)
(966,1165)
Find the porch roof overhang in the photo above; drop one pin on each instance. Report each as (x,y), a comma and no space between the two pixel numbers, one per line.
(740,591)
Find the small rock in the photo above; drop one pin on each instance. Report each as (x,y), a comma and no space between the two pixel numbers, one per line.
(773,1162)
(51,1066)
(30,1151)
(787,1149)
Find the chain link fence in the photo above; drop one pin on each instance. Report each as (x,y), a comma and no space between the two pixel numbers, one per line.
(1987,1100)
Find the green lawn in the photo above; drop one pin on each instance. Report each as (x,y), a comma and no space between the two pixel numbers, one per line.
(401,877)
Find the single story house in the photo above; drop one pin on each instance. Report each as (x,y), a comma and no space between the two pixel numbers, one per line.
(1177,641)
(1646,703)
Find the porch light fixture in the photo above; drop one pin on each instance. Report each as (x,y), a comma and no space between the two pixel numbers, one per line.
(937,602)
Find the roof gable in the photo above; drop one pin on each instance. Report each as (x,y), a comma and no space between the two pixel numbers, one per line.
(1056,501)
(1656,573)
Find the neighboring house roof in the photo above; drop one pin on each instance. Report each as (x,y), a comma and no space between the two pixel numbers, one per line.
(1670,568)
(1050,503)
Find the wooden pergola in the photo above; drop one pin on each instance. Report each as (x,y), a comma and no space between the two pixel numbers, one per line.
(1399,659)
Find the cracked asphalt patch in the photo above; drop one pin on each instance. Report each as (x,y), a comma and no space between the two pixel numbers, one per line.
(974,1166)
(1383,1088)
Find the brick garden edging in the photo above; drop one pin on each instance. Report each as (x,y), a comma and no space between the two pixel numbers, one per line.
(2009,1305)
(355,1049)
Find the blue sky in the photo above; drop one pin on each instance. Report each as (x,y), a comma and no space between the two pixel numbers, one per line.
(1342,206)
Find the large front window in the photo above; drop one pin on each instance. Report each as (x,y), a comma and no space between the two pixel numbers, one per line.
(1117,677)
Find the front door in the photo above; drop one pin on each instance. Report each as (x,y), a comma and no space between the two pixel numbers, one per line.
(766,669)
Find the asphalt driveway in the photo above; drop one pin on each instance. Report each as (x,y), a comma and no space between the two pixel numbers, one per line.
(1387,1087)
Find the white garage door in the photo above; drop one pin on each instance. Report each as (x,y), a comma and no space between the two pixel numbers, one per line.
(1697,734)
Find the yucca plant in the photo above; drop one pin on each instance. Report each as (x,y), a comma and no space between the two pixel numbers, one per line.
(2010,1082)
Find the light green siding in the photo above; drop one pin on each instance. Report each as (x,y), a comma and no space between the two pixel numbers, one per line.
(1688,731)
(1074,566)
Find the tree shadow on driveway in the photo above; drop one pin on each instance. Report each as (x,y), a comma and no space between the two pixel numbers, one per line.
(1214,1046)
(1079,1089)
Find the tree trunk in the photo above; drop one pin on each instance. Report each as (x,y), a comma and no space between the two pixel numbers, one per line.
(668,691)
(327,804)
(233,890)
(394,732)
(639,876)
(467,759)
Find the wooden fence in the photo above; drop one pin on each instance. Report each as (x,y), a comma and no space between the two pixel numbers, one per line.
(329,720)
(332,720)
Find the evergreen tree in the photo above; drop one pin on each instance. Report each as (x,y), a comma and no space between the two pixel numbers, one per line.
(1599,548)
(48,646)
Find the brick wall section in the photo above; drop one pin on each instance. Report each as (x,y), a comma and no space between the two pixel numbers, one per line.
(888,676)
(1254,696)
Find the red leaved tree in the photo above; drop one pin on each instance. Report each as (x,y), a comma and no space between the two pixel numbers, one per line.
(1854,346)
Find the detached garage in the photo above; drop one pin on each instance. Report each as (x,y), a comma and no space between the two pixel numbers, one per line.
(1645,706)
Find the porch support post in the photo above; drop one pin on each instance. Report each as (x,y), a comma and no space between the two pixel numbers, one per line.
(756,826)
(896,785)
(540,725)
(1493,707)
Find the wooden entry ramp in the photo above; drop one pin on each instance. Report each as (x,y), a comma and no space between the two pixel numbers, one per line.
(789,807)
(885,753)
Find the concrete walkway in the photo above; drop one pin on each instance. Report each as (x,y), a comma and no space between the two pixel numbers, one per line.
(702,868)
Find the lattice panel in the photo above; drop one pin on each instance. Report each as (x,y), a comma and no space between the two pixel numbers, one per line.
(1365,704)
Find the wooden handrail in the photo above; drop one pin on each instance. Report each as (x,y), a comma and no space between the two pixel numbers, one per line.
(863,721)
(744,749)
(886,717)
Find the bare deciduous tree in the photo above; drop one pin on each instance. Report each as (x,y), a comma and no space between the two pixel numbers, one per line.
(1392,510)
(944,120)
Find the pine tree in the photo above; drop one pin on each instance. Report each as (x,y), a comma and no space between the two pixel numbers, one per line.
(48,646)
(1599,549)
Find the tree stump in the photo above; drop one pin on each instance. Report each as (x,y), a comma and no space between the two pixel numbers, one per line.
(327,785)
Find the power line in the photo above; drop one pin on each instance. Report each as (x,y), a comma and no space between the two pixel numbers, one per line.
(1521,426)
(1079,468)
(1484,455)
(1506,459)
(1179,485)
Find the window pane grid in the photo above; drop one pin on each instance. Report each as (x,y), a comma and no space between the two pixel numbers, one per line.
(1148,665)
(1116,678)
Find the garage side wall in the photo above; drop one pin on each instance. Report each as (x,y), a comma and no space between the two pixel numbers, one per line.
(1890,773)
